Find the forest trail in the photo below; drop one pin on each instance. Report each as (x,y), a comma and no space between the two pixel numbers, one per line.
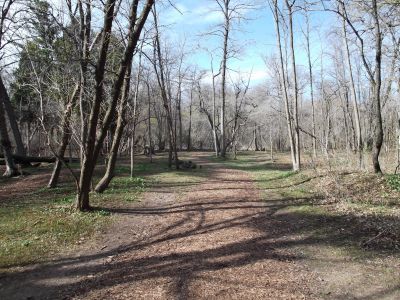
(217,237)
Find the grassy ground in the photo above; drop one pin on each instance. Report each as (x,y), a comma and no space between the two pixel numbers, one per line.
(40,223)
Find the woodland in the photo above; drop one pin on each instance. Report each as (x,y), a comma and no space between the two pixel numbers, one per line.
(137,164)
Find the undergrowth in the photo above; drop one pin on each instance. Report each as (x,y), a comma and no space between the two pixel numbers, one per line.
(393,181)
(360,210)
(38,224)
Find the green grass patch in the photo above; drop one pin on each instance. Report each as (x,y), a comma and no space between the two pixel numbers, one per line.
(308,209)
(143,168)
(276,177)
(125,188)
(299,193)
(42,222)
(29,234)
(393,181)
(329,228)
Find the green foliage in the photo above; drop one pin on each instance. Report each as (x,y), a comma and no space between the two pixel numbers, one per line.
(65,200)
(43,25)
(129,189)
(394,181)
(103,213)
(48,66)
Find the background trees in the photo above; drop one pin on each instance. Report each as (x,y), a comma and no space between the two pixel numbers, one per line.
(90,82)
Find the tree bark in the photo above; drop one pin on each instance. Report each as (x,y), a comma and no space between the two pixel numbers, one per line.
(20,149)
(166,101)
(217,147)
(296,90)
(93,144)
(66,136)
(283,85)
(223,75)
(84,51)
(11,168)
(116,141)
(310,72)
(378,134)
(353,95)
(189,138)
(89,157)
(149,122)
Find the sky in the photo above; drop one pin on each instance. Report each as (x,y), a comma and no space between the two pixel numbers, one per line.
(190,21)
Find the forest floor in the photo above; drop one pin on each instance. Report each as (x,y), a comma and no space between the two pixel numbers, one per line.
(243,229)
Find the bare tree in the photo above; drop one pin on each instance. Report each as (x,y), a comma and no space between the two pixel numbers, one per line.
(283,83)
(353,91)
(94,144)
(289,6)
(11,169)
(232,11)
(160,71)
(310,72)
(374,73)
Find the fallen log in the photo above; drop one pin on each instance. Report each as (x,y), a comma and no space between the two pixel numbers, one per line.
(19,159)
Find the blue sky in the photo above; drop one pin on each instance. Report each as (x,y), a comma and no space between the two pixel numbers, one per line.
(256,36)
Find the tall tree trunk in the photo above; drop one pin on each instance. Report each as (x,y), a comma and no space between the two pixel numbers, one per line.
(189,139)
(398,122)
(84,51)
(271,145)
(310,72)
(164,96)
(94,142)
(214,129)
(283,85)
(296,90)
(66,136)
(89,157)
(149,122)
(11,168)
(132,152)
(135,28)
(378,134)
(223,76)
(20,149)
(103,184)
(353,95)
(135,102)
(180,118)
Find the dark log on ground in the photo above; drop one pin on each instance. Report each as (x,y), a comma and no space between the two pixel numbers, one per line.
(186,164)
(18,159)
(147,151)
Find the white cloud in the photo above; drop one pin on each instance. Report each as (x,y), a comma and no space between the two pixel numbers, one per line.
(257,76)
(206,14)
(176,14)
(201,14)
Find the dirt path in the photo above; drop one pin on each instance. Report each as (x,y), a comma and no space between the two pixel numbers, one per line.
(209,240)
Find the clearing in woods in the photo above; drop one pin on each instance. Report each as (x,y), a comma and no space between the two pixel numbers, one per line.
(246,229)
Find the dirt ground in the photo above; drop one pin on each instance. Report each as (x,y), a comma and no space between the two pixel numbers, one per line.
(216,239)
